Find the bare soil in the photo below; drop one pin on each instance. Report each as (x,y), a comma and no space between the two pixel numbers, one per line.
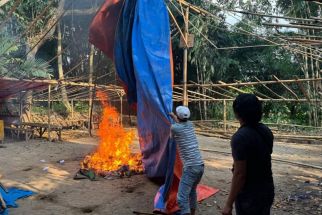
(298,189)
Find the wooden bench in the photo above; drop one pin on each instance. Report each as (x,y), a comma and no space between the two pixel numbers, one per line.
(41,128)
(16,132)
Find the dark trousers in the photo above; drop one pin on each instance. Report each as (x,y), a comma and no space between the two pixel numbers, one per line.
(254,203)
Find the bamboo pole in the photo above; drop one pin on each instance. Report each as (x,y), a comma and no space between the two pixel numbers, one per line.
(185,59)
(304,91)
(214,91)
(225,115)
(90,81)
(255,83)
(286,87)
(196,93)
(272,16)
(269,89)
(293,26)
(264,100)
(206,13)
(49,108)
(231,87)
(234,88)
(178,27)
(72,103)
(121,114)
(66,83)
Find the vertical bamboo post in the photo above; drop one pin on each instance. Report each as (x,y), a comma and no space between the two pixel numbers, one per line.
(225,115)
(49,108)
(185,59)
(121,114)
(90,81)
(72,108)
(20,108)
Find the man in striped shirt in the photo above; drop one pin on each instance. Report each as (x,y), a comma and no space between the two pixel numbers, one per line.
(193,166)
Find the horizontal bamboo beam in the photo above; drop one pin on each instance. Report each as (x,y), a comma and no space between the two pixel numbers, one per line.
(304,40)
(292,26)
(264,100)
(255,83)
(272,16)
(65,83)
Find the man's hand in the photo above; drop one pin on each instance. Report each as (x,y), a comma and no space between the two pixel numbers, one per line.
(174,117)
(228,210)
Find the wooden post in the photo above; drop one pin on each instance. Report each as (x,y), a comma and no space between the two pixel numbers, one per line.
(72,108)
(49,108)
(90,81)
(225,116)
(20,108)
(121,114)
(185,60)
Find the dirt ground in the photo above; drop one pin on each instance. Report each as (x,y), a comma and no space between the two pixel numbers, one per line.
(298,189)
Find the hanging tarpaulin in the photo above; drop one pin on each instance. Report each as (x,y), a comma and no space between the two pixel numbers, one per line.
(141,47)
(103,26)
(152,67)
(123,51)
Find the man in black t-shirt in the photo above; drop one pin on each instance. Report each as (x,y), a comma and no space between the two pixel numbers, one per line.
(252,187)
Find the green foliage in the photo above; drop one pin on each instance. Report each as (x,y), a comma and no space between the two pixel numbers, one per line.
(81,107)
(217,111)
(208,64)
(27,11)
(39,109)
(59,108)
(285,113)
(12,66)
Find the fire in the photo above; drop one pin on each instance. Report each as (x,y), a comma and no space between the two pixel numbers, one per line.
(114,150)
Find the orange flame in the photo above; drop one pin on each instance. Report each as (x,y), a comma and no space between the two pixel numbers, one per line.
(113,150)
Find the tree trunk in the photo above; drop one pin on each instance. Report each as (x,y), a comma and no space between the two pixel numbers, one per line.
(61,71)
(314,105)
(26,106)
(306,75)
(26,99)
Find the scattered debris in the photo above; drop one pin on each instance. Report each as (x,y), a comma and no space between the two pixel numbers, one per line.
(45,169)
(83,174)
(27,169)
(298,197)
(123,172)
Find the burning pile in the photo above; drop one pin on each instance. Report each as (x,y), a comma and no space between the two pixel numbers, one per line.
(113,156)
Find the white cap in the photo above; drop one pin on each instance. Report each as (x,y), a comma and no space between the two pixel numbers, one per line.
(183,112)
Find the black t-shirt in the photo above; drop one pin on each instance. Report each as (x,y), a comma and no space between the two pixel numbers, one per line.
(254,144)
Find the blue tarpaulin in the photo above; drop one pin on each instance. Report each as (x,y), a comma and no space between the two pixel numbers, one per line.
(141,43)
(142,60)
(11,197)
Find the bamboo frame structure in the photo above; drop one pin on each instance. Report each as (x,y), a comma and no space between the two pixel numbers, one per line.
(216,96)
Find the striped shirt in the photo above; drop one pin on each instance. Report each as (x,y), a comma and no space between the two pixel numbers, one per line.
(185,137)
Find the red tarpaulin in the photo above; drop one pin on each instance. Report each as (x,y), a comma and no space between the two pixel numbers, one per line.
(10,87)
(103,27)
